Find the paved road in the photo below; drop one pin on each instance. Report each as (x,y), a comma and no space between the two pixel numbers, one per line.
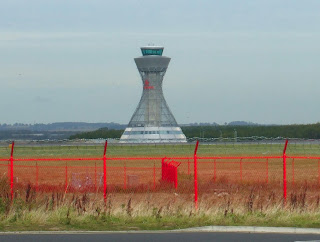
(154,237)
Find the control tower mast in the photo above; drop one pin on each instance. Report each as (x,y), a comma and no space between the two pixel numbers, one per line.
(152,121)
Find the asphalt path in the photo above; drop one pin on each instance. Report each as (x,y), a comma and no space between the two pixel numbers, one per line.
(176,237)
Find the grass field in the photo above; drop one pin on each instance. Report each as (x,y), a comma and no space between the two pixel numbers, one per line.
(148,169)
(231,191)
(117,150)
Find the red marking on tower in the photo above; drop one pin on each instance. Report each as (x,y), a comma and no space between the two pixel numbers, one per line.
(147,85)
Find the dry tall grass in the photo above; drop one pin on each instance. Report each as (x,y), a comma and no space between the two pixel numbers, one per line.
(231,204)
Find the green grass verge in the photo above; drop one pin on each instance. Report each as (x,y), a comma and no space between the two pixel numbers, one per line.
(168,150)
(60,220)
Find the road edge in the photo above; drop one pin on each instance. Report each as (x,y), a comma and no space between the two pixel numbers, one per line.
(208,229)
(253,229)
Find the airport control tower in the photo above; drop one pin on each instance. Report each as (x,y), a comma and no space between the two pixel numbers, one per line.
(152,121)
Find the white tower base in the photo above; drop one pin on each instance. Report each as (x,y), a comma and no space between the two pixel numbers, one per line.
(153,135)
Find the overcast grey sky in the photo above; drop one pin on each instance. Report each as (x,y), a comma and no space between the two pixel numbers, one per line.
(231,60)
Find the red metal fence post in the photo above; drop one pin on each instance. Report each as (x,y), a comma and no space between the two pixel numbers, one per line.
(318,172)
(241,170)
(214,171)
(196,176)
(285,172)
(11,170)
(267,171)
(105,172)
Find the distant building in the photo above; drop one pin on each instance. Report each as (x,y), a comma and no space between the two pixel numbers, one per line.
(152,121)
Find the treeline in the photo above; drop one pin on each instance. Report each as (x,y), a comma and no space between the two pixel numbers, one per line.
(103,133)
(306,131)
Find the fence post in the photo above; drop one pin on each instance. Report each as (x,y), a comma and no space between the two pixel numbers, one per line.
(188,167)
(214,171)
(195,176)
(318,171)
(285,172)
(11,170)
(105,172)
(66,183)
(241,169)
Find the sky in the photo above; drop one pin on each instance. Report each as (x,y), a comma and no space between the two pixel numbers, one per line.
(249,60)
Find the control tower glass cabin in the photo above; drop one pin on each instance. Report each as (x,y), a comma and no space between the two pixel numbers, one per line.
(152,121)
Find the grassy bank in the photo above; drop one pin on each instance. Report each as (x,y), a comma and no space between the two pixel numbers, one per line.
(60,220)
(235,205)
